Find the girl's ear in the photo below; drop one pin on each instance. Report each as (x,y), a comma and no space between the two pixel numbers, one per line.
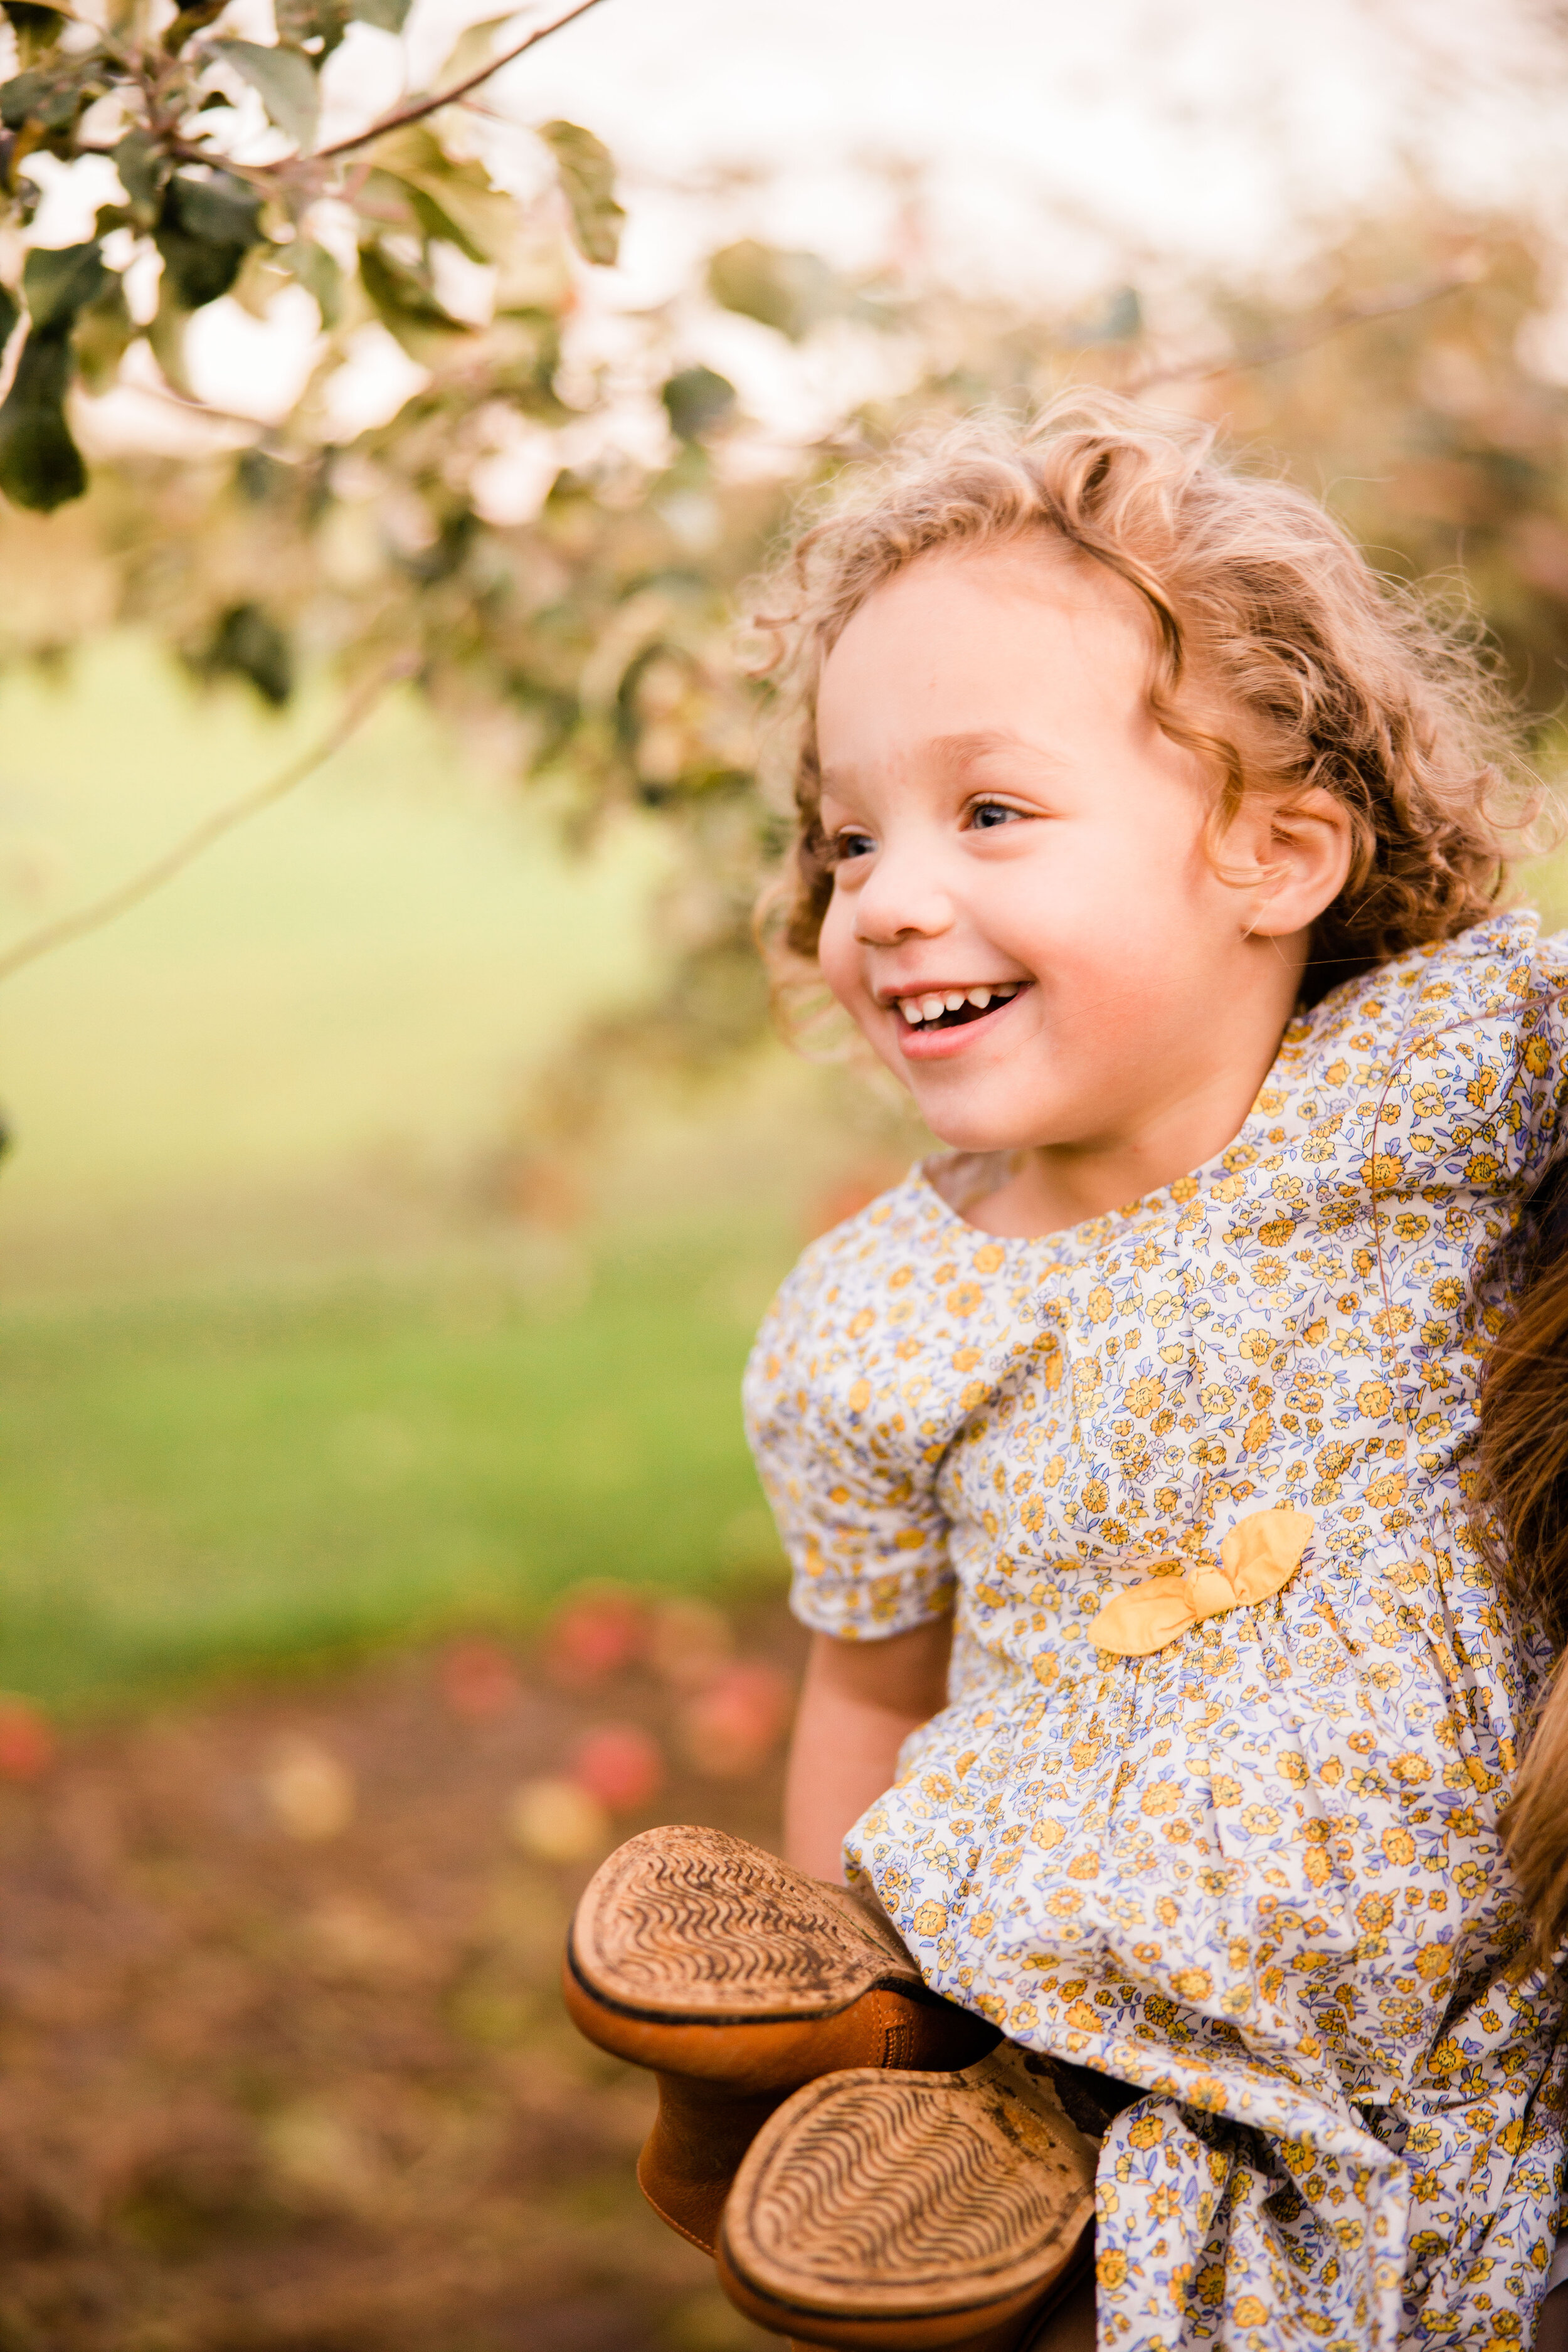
(1302,848)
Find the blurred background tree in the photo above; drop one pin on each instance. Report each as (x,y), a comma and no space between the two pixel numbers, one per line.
(550,530)
(475,457)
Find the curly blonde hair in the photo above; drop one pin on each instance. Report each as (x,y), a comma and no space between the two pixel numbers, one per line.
(1260,605)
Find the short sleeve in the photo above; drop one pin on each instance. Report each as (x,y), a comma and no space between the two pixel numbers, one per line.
(850,1472)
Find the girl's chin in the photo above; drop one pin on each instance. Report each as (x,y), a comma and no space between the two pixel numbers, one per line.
(971,1126)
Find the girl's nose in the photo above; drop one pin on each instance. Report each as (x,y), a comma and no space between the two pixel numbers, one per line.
(903,898)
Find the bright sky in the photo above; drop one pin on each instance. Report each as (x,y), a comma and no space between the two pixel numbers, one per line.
(1204,131)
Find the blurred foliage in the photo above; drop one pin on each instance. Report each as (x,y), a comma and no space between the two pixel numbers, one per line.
(162,91)
(582,630)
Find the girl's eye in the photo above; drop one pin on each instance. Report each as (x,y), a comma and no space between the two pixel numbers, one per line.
(985,814)
(845,846)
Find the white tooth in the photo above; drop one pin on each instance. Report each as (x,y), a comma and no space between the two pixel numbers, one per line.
(954,999)
(909,1007)
(933,1007)
(1008,989)
(980,998)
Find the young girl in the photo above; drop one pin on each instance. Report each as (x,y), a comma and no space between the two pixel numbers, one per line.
(1163,1696)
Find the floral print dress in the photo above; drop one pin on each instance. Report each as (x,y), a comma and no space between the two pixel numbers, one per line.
(1257,1873)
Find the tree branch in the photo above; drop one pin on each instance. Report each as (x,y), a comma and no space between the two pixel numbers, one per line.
(173,860)
(423,106)
(1287,341)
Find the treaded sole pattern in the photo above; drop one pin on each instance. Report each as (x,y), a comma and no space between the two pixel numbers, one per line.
(877,2195)
(689,1923)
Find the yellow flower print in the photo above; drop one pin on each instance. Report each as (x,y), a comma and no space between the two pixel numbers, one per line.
(965,1298)
(930,1919)
(1192,1984)
(1384,1491)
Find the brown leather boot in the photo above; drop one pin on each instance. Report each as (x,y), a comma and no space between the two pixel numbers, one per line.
(737,1979)
(903,2212)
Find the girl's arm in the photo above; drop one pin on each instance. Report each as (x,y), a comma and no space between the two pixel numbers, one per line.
(859,1703)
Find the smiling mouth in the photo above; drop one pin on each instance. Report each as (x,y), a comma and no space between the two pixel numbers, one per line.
(951,1008)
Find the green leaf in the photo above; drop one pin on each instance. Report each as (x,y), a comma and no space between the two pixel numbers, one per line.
(587,174)
(318,273)
(104,333)
(474,48)
(40,465)
(59,280)
(36,28)
(10,312)
(387,15)
(791,291)
(696,400)
(285,81)
(247,642)
(446,199)
(190,18)
(406,306)
(143,168)
(206,229)
(51,96)
(301,22)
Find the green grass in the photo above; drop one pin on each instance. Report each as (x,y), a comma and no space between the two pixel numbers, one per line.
(195,1485)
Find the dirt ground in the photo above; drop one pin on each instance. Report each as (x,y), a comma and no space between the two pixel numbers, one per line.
(284,2067)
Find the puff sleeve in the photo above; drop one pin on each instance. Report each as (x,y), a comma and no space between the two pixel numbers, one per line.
(845,1438)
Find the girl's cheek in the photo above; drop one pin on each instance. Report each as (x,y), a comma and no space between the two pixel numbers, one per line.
(836,955)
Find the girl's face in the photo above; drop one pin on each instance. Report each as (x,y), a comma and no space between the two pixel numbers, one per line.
(1025,921)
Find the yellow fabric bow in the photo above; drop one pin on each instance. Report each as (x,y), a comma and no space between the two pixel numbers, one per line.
(1261,1553)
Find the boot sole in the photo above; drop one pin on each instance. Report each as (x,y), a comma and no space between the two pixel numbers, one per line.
(883,2211)
(687,1926)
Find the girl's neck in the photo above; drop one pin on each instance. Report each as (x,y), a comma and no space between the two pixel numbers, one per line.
(1048,1189)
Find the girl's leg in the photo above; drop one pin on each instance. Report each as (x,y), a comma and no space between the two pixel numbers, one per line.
(1552,2326)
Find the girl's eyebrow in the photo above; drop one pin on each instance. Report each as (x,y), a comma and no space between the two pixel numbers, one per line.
(961,752)
(965,750)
